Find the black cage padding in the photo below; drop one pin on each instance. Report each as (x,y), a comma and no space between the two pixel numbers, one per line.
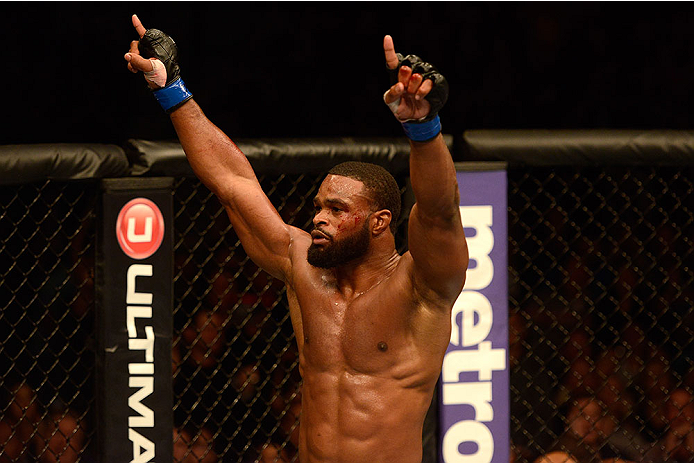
(578,147)
(60,161)
(278,156)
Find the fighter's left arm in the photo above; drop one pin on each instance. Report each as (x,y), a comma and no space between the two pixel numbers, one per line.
(435,237)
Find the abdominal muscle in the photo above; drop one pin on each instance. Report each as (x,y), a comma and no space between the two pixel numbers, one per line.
(351,417)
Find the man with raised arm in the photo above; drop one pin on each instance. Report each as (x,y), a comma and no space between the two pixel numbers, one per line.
(372,326)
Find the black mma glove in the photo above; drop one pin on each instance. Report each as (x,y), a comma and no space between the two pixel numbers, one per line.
(429,126)
(162,51)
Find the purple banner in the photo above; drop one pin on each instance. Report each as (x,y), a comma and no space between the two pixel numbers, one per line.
(474,397)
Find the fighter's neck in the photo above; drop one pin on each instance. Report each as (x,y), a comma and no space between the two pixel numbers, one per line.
(361,275)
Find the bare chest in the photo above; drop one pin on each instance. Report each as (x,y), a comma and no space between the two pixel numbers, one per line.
(367,334)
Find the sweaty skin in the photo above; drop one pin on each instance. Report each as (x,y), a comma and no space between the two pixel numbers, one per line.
(369,359)
(371,332)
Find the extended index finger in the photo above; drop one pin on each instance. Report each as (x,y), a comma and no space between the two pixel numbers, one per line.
(138,26)
(391,58)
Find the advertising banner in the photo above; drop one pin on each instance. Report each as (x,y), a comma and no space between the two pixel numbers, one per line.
(473,395)
(134,321)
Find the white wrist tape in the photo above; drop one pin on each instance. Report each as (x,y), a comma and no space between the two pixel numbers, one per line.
(158,73)
(393,105)
(415,129)
(394,108)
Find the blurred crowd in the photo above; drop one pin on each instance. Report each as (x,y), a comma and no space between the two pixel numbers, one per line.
(600,346)
(601,339)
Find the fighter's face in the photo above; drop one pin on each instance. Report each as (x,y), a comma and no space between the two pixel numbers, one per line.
(341,230)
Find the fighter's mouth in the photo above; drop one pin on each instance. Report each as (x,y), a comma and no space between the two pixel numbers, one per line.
(319,237)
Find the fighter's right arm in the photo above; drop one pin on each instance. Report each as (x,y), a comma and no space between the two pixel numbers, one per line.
(225,170)
(220,165)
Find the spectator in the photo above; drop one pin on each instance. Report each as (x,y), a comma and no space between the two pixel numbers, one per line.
(194,447)
(245,381)
(556,457)
(516,334)
(11,446)
(657,382)
(678,443)
(273,453)
(577,345)
(21,419)
(290,421)
(590,433)
(204,338)
(60,437)
(580,379)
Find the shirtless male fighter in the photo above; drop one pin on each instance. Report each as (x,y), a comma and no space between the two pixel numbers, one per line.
(372,326)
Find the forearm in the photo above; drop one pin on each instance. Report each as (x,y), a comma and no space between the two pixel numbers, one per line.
(433,178)
(225,170)
(215,159)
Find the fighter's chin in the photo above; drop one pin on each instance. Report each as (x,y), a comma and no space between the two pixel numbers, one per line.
(316,256)
(313,256)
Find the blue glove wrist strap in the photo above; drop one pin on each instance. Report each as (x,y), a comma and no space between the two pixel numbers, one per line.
(422,131)
(173,95)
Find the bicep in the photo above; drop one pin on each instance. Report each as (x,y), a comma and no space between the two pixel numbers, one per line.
(439,252)
(265,236)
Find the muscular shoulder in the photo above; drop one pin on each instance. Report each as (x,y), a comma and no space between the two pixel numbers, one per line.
(298,247)
(424,294)
(439,250)
(300,241)
(428,311)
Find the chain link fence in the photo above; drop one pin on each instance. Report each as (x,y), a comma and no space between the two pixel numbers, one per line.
(236,379)
(602,313)
(46,321)
(601,320)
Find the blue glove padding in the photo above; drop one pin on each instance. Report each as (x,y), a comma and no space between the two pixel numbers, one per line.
(173,95)
(422,131)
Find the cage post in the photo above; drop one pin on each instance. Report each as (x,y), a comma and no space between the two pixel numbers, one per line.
(134,320)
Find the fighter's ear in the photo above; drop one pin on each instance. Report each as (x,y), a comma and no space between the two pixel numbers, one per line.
(380,221)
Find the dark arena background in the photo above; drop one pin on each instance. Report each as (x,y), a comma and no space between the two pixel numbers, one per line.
(587,106)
